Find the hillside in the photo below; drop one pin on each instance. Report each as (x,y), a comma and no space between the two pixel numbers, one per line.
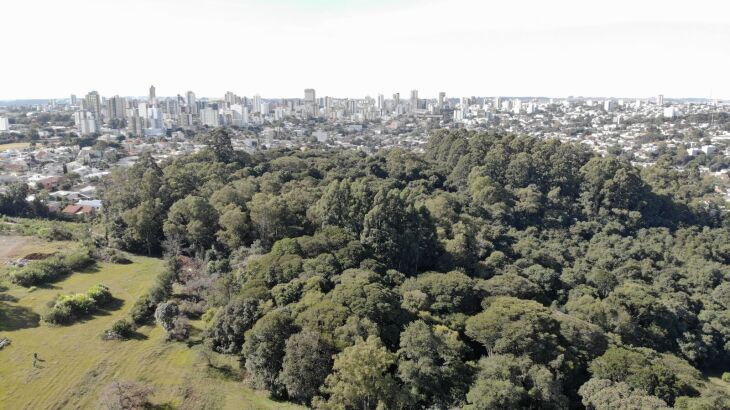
(76,363)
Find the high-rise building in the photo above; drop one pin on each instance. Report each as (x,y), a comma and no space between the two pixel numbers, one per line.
(172,107)
(92,103)
(396,99)
(310,96)
(143,110)
(265,108)
(414,100)
(135,123)
(191,102)
(74,102)
(4,124)
(442,99)
(256,104)
(239,114)
(516,106)
(210,117)
(660,100)
(609,105)
(231,98)
(115,107)
(310,102)
(85,122)
(153,95)
(381,102)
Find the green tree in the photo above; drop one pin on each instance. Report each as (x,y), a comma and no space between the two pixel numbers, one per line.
(431,366)
(510,325)
(307,362)
(264,350)
(361,378)
(192,222)
(226,333)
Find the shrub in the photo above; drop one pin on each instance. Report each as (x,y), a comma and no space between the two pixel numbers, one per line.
(165,313)
(66,308)
(120,330)
(111,255)
(726,377)
(50,269)
(144,307)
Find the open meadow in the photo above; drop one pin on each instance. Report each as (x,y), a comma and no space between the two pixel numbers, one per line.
(75,363)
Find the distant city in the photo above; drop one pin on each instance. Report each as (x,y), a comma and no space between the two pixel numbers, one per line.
(91,134)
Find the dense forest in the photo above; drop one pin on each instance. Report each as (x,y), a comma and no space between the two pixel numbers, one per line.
(490,272)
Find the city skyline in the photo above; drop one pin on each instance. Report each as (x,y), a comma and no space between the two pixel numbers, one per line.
(357,48)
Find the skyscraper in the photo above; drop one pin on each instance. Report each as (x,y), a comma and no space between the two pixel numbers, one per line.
(310,96)
(381,101)
(210,117)
(231,98)
(310,101)
(153,95)
(414,100)
(92,103)
(85,122)
(442,99)
(660,100)
(115,107)
(192,103)
(256,103)
(73,100)
(396,99)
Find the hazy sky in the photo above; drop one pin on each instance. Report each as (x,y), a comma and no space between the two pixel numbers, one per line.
(52,48)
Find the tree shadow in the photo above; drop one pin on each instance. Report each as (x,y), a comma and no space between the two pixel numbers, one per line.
(137,336)
(17,317)
(112,305)
(7,298)
(225,372)
(163,406)
(191,342)
(47,286)
(94,268)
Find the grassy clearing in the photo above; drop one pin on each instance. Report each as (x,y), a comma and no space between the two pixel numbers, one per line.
(76,364)
(14,145)
(15,247)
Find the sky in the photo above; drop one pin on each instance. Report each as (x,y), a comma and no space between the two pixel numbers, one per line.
(357,48)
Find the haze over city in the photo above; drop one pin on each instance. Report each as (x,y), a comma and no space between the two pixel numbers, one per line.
(357,48)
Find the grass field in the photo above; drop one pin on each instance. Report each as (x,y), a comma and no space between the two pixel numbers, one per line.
(15,247)
(14,145)
(77,364)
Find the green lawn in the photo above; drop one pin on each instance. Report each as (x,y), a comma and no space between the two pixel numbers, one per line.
(77,363)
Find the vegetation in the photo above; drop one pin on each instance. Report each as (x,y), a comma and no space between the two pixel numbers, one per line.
(51,230)
(75,364)
(493,271)
(67,308)
(52,268)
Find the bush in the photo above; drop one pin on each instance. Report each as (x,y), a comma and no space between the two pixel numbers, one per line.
(726,377)
(121,329)
(67,308)
(144,307)
(51,269)
(111,255)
